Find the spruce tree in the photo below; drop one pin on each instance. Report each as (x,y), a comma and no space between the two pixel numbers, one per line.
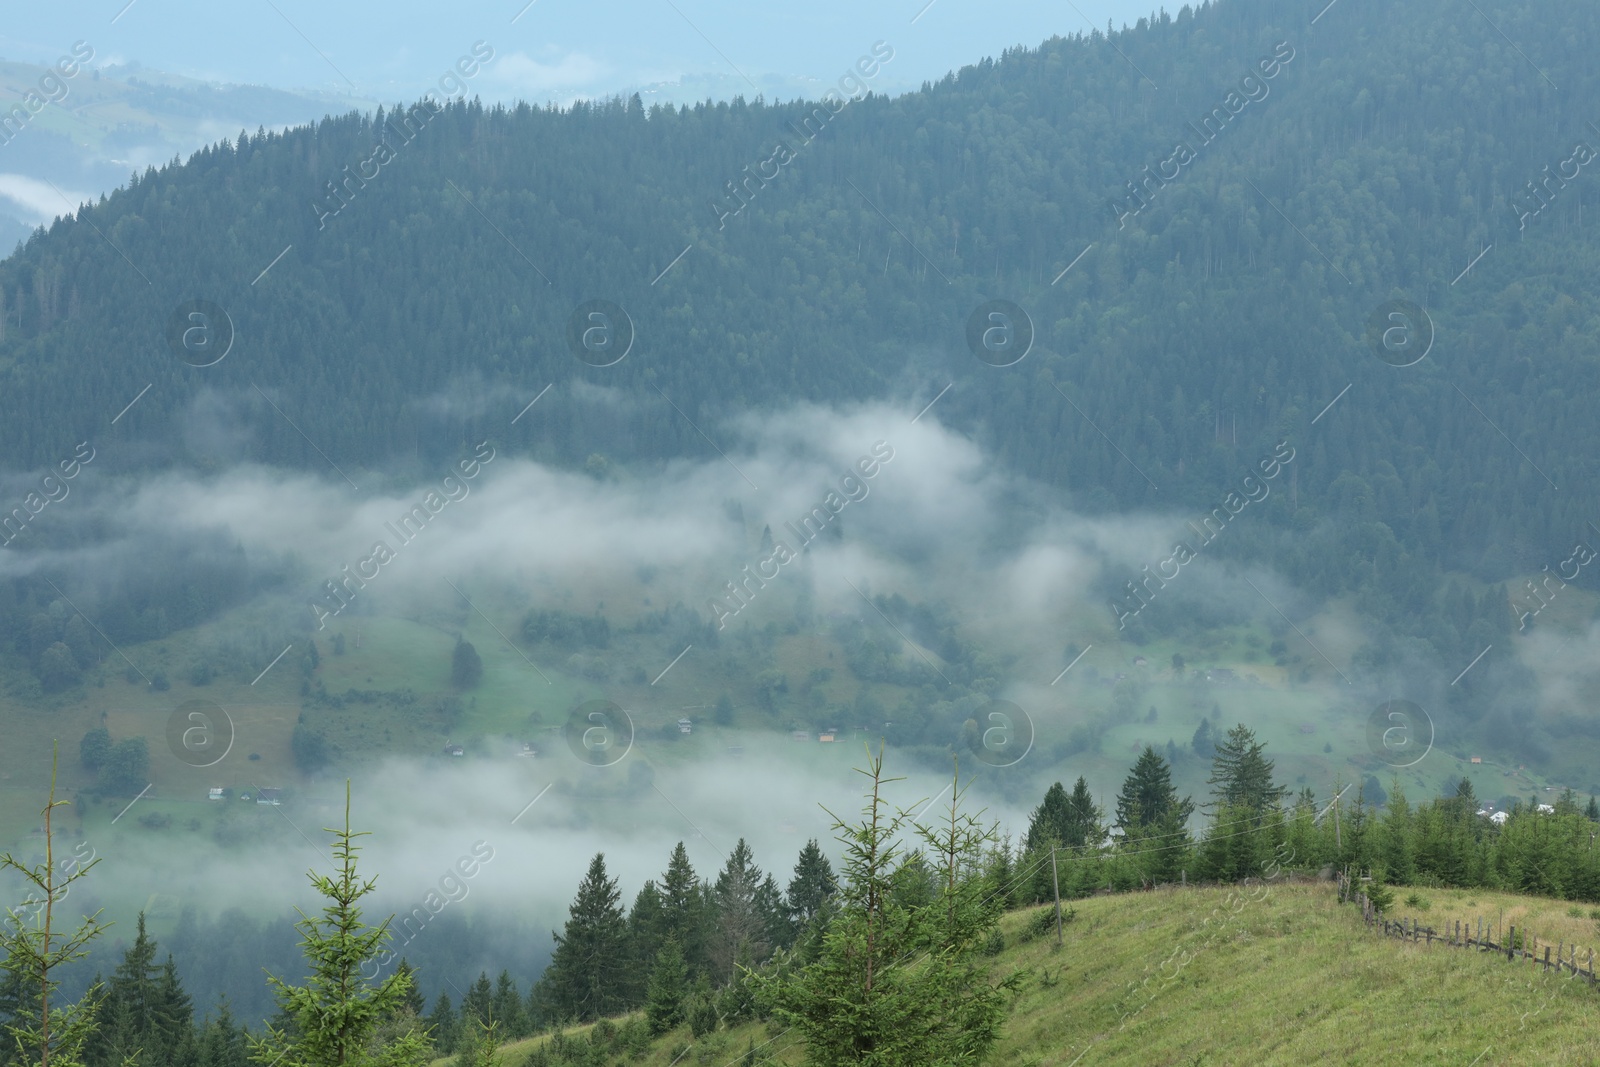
(588,974)
(35,948)
(508,1007)
(413,1001)
(894,984)
(647,932)
(1084,818)
(1148,795)
(742,908)
(1067,820)
(442,1025)
(479,1001)
(669,986)
(466,667)
(1592,812)
(683,907)
(1047,825)
(1241,776)
(812,885)
(335,1016)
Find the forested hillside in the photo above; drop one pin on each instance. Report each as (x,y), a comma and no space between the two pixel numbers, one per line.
(833,251)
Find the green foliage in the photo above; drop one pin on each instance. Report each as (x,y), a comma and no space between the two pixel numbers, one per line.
(36,949)
(333,1020)
(1148,796)
(95,748)
(1379,895)
(897,981)
(588,974)
(812,886)
(702,1014)
(466,667)
(145,1015)
(566,630)
(1070,821)
(668,989)
(126,771)
(310,749)
(1241,776)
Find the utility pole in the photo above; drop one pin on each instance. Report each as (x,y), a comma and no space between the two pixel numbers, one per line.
(1055,884)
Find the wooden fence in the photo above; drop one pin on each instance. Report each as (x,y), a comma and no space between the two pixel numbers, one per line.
(1516,945)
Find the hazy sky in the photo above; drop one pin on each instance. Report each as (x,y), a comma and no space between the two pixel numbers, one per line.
(548,48)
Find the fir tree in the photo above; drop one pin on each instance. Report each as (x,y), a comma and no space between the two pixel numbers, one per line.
(442,1024)
(812,885)
(683,907)
(466,667)
(413,1002)
(589,972)
(861,1002)
(335,1016)
(669,985)
(477,1005)
(1241,776)
(508,1007)
(1148,795)
(742,907)
(35,949)
(647,933)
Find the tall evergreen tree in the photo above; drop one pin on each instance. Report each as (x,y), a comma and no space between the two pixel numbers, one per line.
(442,1024)
(146,1014)
(507,1009)
(743,908)
(588,974)
(478,1002)
(413,1001)
(1068,820)
(1148,795)
(1241,776)
(683,906)
(647,932)
(812,885)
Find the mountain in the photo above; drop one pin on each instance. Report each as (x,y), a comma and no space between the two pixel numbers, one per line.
(1203,217)
(83,126)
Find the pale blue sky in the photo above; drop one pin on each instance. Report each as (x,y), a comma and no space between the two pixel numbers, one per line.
(555,49)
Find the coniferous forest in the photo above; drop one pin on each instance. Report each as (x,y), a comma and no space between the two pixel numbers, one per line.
(1310,291)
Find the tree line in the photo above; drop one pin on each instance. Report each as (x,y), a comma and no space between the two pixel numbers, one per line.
(1251,822)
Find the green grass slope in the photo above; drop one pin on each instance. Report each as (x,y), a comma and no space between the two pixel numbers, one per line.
(1256,975)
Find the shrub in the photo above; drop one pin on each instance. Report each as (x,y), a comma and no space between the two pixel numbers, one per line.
(702,1017)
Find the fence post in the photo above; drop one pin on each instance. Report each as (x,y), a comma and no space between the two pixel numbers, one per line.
(1547,959)
(1511,937)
